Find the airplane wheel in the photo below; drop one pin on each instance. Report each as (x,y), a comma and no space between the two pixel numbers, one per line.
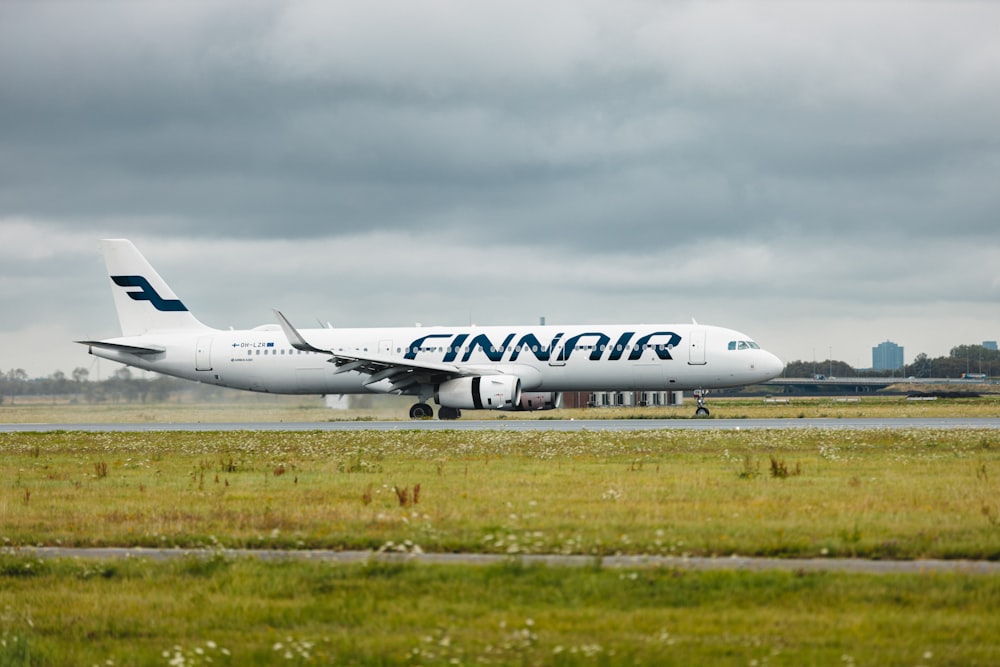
(449,413)
(701,412)
(421,411)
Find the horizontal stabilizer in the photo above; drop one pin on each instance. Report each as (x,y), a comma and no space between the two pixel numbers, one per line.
(121,347)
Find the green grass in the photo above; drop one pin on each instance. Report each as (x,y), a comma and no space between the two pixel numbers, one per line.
(808,492)
(244,612)
(881,494)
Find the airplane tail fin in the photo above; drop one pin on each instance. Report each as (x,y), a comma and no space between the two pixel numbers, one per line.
(143,300)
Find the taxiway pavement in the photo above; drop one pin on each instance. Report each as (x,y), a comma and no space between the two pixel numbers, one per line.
(524,425)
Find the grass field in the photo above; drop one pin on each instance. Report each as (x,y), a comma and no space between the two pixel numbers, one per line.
(885,494)
(243,612)
(814,492)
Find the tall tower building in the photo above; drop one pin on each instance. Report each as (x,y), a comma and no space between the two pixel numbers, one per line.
(887,356)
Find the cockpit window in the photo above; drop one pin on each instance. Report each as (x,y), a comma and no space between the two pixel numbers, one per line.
(743,345)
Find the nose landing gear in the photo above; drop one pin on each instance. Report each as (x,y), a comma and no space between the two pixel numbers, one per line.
(699,395)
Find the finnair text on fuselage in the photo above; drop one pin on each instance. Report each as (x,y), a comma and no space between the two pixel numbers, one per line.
(462,346)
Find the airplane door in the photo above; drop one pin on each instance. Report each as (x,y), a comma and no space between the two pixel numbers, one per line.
(203,354)
(557,357)
(696,348)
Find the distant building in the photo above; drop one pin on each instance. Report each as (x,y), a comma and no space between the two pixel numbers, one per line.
(887,356)
(615,399)
(990,345)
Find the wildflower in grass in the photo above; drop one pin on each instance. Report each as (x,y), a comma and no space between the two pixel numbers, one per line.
(293,648)
(611,494)
(665,638)
(589,650)
(208,654)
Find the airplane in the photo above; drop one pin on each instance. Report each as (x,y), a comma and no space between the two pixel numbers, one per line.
(460,367)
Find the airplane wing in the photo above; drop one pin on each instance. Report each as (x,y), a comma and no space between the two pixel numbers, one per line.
(393,374)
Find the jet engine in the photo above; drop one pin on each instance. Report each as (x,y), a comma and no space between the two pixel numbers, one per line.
(539,400)
(487,392)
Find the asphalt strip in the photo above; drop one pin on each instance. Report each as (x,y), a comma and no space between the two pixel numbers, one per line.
(729,563)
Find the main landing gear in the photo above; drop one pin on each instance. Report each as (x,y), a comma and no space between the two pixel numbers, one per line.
(699,395)
(424,411)
(449,413)
(421,411)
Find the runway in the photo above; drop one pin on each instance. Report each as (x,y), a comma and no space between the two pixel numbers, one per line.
(523,425)
(727,563)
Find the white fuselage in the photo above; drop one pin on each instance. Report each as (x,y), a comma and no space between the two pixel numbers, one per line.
(545,358)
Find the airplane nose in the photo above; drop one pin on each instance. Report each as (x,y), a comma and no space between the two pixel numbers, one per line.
(772,364)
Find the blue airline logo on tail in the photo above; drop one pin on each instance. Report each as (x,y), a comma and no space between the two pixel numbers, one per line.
(147,293)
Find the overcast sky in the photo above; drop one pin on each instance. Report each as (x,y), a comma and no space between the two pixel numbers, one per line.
(820,176)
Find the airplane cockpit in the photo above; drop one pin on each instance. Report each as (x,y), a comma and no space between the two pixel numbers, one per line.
(743,345)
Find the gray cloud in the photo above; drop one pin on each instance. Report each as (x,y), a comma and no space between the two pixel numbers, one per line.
(811,173)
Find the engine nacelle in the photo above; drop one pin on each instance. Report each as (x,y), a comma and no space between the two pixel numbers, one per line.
(538,400)
(481,392)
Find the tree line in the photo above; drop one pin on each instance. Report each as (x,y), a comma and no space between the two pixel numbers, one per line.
(962,360)
(121,387)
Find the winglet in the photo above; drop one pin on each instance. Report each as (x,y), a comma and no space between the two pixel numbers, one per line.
(294,337)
